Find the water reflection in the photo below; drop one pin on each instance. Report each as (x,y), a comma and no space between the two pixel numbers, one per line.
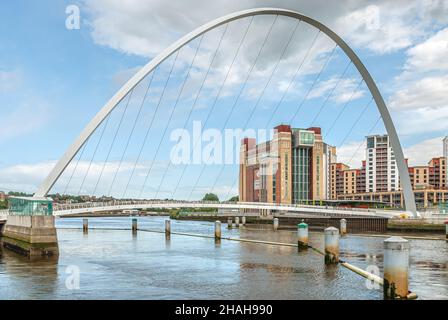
(117,264)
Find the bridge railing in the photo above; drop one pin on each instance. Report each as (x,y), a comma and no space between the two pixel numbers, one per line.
(113,203)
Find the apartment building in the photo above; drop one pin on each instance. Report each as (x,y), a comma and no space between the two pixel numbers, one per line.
(381,167)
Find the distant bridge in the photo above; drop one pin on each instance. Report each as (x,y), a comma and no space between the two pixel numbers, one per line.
(94,207)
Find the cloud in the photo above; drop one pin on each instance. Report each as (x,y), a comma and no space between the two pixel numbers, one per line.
(429,93)
(420,153)
(344,90)
(352,153)
(429,55)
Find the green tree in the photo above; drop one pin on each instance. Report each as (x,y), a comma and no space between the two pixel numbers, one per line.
(210,197)
(234,199)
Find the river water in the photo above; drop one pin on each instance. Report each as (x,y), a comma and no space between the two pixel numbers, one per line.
(115,264)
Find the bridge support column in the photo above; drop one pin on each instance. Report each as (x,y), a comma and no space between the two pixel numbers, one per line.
(331,245)
(229,223)
(275,224)
(396,268)
(243,221)
(85,225)
(167,227)
(237,222)
(217,230)
(302,236)
(30,228)
(343,227)
(446,230)
(134,225)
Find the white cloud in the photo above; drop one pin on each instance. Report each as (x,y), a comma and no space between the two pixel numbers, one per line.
(429,55)
(424,120)
(341,91)
(427,93)
(420,153)
(352,153)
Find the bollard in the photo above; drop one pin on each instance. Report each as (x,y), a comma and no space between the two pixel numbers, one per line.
(343,227)
(134,225)
(302,236)
(396,268)
(237,222)
(217,230)
(275,224)
(167,227)
(446,230)
(85,225)
(243,221)
(229,223)
(331,245)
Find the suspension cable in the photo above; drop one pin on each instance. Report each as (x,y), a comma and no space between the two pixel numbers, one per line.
(330,94)
(314,83)
(158,105)
(113,142)
(131,133)
(219,91)
(362,143)
(293,78)
(356,122)
(94,153)
(76,165)
(344,107)
(146,135)
(239,93)
(203,82)
(175,105)
(282,54)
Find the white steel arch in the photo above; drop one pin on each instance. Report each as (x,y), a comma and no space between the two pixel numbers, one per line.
(140,75)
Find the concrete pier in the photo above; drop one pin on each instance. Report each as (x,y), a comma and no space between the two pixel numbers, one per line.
(167,227)
(85,225)
(32,236)
(302,236)
(331,245)
(229,223)
(134,225)
(396,268)
(217,230)
(275,224)
(243,221)
(446,230)
(343,227)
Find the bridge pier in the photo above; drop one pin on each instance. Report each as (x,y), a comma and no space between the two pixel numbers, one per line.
(331,245)
(85,225)
(30,228)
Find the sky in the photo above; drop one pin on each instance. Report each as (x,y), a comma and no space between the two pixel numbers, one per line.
(54,79)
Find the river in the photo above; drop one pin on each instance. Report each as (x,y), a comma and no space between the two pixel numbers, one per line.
(115,264)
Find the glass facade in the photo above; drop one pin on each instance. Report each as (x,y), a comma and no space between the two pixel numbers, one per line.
(301,174)
(30,206)
(306,138)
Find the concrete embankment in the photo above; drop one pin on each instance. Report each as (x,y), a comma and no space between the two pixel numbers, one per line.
(353,224)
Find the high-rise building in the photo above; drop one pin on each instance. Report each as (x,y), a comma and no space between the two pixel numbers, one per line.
(293,167)
(381,167)
(445,156)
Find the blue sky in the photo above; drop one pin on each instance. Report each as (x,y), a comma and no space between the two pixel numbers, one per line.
(54,80)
